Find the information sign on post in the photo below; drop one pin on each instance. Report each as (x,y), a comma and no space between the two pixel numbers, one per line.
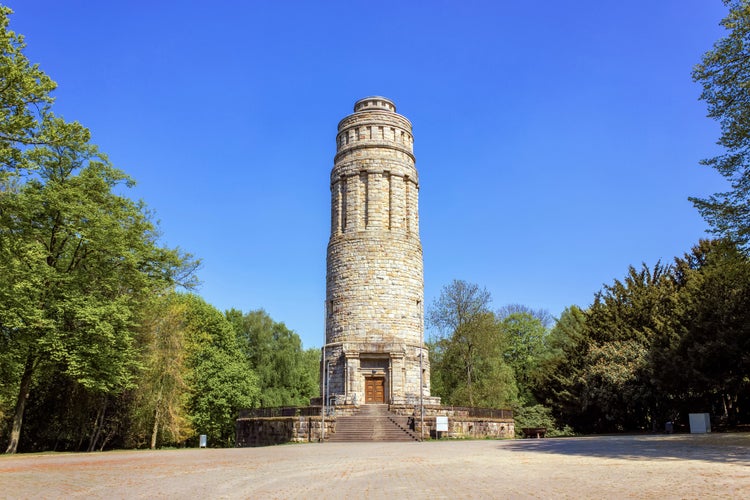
(441,425)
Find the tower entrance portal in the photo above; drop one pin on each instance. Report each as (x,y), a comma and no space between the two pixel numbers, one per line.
(374,390)
(374,370)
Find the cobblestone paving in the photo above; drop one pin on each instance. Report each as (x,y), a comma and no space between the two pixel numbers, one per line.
(677,466)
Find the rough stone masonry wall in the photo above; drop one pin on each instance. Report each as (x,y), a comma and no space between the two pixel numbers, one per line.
(251,432)
(374,285)
(472,428)
(460,424)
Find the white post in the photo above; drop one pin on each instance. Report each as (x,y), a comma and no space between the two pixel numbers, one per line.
(328,382)
(323,396)
(421,393)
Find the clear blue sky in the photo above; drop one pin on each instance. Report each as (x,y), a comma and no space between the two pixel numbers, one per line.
(556,142)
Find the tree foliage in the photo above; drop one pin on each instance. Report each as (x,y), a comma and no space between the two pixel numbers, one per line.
(558,381)
(288,375)
(622,324)
(97,348)
(76,260)
(25,100)
(195,378)
(724,74)
(159,411)
(713,346)
(661,343)
(467,363)
(524,335)
(81,265)
(542,315)
(220,379)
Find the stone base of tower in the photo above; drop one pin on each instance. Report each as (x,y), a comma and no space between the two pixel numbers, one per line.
(376,373)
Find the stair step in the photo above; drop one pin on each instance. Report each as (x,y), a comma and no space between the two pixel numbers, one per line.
(371,423)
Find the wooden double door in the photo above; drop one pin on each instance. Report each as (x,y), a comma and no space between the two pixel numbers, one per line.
(374,390)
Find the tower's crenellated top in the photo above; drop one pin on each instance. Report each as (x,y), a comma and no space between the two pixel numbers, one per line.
(375,102)
(374,124)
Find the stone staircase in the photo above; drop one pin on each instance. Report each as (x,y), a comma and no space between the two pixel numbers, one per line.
(372,423)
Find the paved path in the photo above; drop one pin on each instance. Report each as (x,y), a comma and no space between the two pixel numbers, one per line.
(678,466)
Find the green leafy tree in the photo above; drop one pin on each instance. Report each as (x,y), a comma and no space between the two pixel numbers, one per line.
(63,415)
(161,392)
(219,377)
(24,103)
(724,73)
(558,380)
(467,364)
(194,377)
(525,336)
(714,342)
(287,374)
(76,259)
(543,315)
(619,391)
(539,416)
(25,100)
(654,346)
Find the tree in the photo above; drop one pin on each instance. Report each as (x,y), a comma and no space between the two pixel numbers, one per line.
(287,374)
(539,416)
(558,380)
(621,326)
(63,415)
(724,73)
(467,365)
(525,336)
(76,259)
(160,396)
(194,377)
(660,343)
(543,315)
(714,340)
(24,100)
(617,389)
(219,377)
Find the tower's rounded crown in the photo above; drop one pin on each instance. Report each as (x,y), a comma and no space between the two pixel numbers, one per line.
(374,103)
(374,124)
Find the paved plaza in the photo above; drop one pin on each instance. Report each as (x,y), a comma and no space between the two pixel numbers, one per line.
(675,466)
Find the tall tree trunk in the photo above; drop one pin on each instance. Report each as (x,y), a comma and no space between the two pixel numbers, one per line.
(731,408)
(157,414)
(468,383)
(155,431)
(724,405)
(23,396)
(98,424)
(106,439)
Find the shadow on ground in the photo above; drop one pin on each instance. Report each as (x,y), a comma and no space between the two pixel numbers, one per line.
(725,448)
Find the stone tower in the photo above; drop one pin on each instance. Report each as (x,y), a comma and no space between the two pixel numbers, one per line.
(374,351)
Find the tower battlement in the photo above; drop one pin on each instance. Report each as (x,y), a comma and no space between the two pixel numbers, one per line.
(373,126)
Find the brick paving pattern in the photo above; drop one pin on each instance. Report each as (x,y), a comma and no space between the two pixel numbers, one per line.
(676,466)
